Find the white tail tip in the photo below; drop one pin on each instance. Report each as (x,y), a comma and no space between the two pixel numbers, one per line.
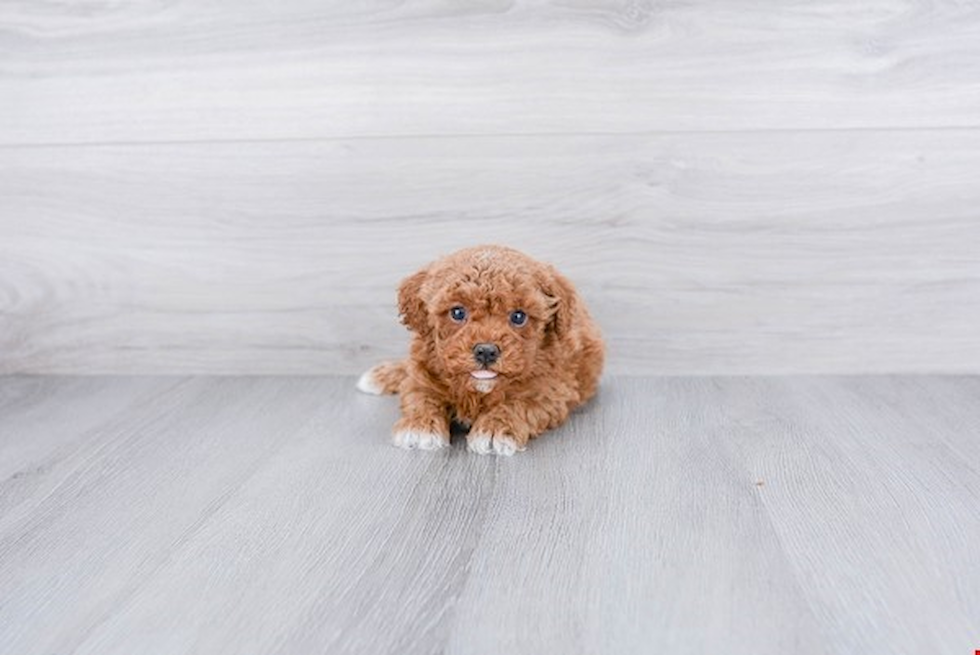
(368,384)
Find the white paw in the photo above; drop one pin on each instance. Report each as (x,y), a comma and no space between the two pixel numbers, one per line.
(368,384)
(480,443)
(505,446)
(421,440)
(485,444)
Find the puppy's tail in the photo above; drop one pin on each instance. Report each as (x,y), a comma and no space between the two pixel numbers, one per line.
(385,378)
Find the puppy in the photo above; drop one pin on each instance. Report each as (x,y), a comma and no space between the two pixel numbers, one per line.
(503,346)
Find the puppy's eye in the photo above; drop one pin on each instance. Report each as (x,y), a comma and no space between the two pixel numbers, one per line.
(518,318)
(458,314)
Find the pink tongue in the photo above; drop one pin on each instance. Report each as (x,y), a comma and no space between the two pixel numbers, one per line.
(483,375)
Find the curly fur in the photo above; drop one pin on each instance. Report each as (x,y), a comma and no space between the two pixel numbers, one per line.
(546,367)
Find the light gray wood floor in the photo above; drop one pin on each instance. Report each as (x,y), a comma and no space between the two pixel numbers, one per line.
(673,515)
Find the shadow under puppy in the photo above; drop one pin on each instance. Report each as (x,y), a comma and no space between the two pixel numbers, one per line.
(502,345)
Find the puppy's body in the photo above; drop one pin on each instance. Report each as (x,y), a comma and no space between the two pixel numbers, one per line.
(502,344)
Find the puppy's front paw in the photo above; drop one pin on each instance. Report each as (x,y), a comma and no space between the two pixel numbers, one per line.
(419,439)
(488,444)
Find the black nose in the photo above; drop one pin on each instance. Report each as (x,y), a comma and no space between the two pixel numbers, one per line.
(486,353)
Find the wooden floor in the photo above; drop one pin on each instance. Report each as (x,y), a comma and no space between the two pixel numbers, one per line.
(673,515)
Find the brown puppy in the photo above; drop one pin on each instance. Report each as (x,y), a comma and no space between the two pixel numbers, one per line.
(503,345)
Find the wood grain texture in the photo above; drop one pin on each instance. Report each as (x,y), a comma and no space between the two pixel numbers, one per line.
(237,187)
(682,515)
(151,71)
(709,253)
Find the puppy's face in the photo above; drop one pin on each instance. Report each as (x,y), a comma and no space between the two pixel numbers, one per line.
(487,313)
(487,334)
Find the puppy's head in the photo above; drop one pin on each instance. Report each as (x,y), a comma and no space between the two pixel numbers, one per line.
(488,314)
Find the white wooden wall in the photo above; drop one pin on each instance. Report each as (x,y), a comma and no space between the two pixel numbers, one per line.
(736,186)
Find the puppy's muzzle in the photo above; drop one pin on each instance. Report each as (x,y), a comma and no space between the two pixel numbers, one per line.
(486,354)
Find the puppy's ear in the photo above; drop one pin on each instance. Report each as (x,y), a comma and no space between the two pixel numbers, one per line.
(410,304)
(563,300)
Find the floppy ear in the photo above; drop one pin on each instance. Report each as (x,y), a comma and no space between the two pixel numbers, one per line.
(410,304)
(563,300)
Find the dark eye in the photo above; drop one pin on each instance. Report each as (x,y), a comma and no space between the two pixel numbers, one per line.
(458,314)
(518,318)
